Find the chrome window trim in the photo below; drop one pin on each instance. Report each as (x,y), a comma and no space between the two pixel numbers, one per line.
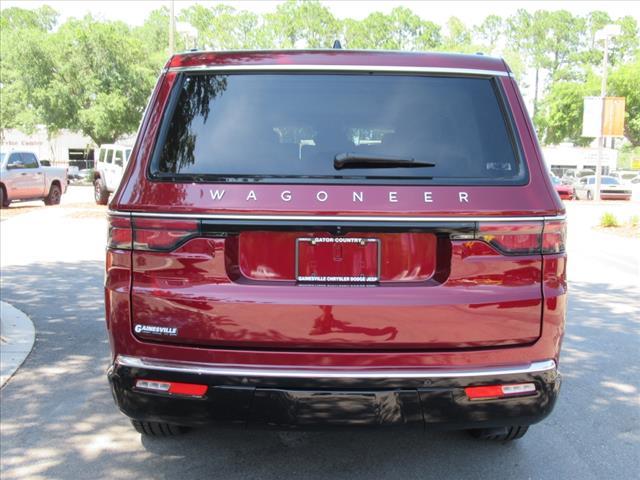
(335,218)
(234,371)
(341,68)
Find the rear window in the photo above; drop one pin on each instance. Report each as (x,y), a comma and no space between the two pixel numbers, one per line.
(291,127)
(604,181)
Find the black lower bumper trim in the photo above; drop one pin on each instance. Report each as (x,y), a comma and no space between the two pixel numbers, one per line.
(312,403)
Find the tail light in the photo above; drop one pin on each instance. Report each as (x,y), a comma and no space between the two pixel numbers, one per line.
(120,235)
(554,236)
(499,391)
(162,234)
(524,238)
(175,388)
(150,233)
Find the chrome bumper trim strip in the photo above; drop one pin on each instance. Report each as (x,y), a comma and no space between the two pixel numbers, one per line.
(234,371)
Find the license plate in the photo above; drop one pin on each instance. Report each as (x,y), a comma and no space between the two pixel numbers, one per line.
(337,260)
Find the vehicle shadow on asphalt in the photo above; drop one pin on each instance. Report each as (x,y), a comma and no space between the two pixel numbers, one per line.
(59,420)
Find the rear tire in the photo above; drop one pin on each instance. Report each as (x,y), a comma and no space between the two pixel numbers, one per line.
(505,434)
(158,429)
(4,203)
(55,194)
(100,192)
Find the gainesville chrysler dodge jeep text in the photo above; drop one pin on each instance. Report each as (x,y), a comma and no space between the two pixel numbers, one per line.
(333,238)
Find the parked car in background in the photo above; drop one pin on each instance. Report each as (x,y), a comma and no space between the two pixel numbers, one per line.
(22,177)
(108,170)
(564,191)
(625,177)
(256,277)
(610,188)
(585,172)
(73,172)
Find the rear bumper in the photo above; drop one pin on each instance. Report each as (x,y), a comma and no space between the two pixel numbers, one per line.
(332,398)
(615,196)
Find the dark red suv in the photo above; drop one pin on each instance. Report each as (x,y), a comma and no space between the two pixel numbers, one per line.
(333,238)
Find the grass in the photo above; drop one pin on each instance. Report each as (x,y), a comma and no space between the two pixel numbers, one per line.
(608,220)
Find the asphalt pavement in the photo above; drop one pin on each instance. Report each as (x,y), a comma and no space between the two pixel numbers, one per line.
(58,419)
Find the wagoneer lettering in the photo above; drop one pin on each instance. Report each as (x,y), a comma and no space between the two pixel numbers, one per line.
(368,245)
(323,196)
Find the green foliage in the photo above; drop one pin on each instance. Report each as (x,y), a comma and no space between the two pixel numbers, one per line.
(222,27)
(629,157)
(489,32)
(90,76)
(153,36)
(625,82)
(634,221)
(298,23)
(14,18)
(401,29)
(19,26)
(560,116)
(608,220)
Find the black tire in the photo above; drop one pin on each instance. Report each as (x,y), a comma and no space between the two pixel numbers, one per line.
(589,196)
(505,434)
(4,203)
(100,192)
(55,194)
(158,429)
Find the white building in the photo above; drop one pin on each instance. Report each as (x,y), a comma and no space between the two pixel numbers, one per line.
(61,148)
(563,157)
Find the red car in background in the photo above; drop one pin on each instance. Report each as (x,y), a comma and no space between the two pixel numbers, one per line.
(336,238)
(564,191)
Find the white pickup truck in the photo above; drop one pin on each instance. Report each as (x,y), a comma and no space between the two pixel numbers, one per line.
(23,178)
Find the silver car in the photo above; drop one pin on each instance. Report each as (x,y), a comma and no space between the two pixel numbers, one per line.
(610,188)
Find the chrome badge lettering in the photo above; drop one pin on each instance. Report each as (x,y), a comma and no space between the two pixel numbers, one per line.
(356,196)
(155,330)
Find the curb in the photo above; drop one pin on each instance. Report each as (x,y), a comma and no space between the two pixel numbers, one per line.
(17,335)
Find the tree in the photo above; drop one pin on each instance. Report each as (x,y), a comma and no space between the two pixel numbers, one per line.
(548,41)
(458,37)
(18,25)
(14,18)
(222,27)
(560,116)
(298,23)
(401,29)
(153,36)
(489,32)
(625,82)
(89,76)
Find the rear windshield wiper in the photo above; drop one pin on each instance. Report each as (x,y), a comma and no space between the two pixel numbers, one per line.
(356,160)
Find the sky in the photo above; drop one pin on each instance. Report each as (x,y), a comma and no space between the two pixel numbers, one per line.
(470,12)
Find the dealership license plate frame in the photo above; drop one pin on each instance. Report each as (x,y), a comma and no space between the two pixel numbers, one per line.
(337,279)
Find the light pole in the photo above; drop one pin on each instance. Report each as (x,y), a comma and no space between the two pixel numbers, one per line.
(603,34)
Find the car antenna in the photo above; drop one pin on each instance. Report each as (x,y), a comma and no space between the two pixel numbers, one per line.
(337,45)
